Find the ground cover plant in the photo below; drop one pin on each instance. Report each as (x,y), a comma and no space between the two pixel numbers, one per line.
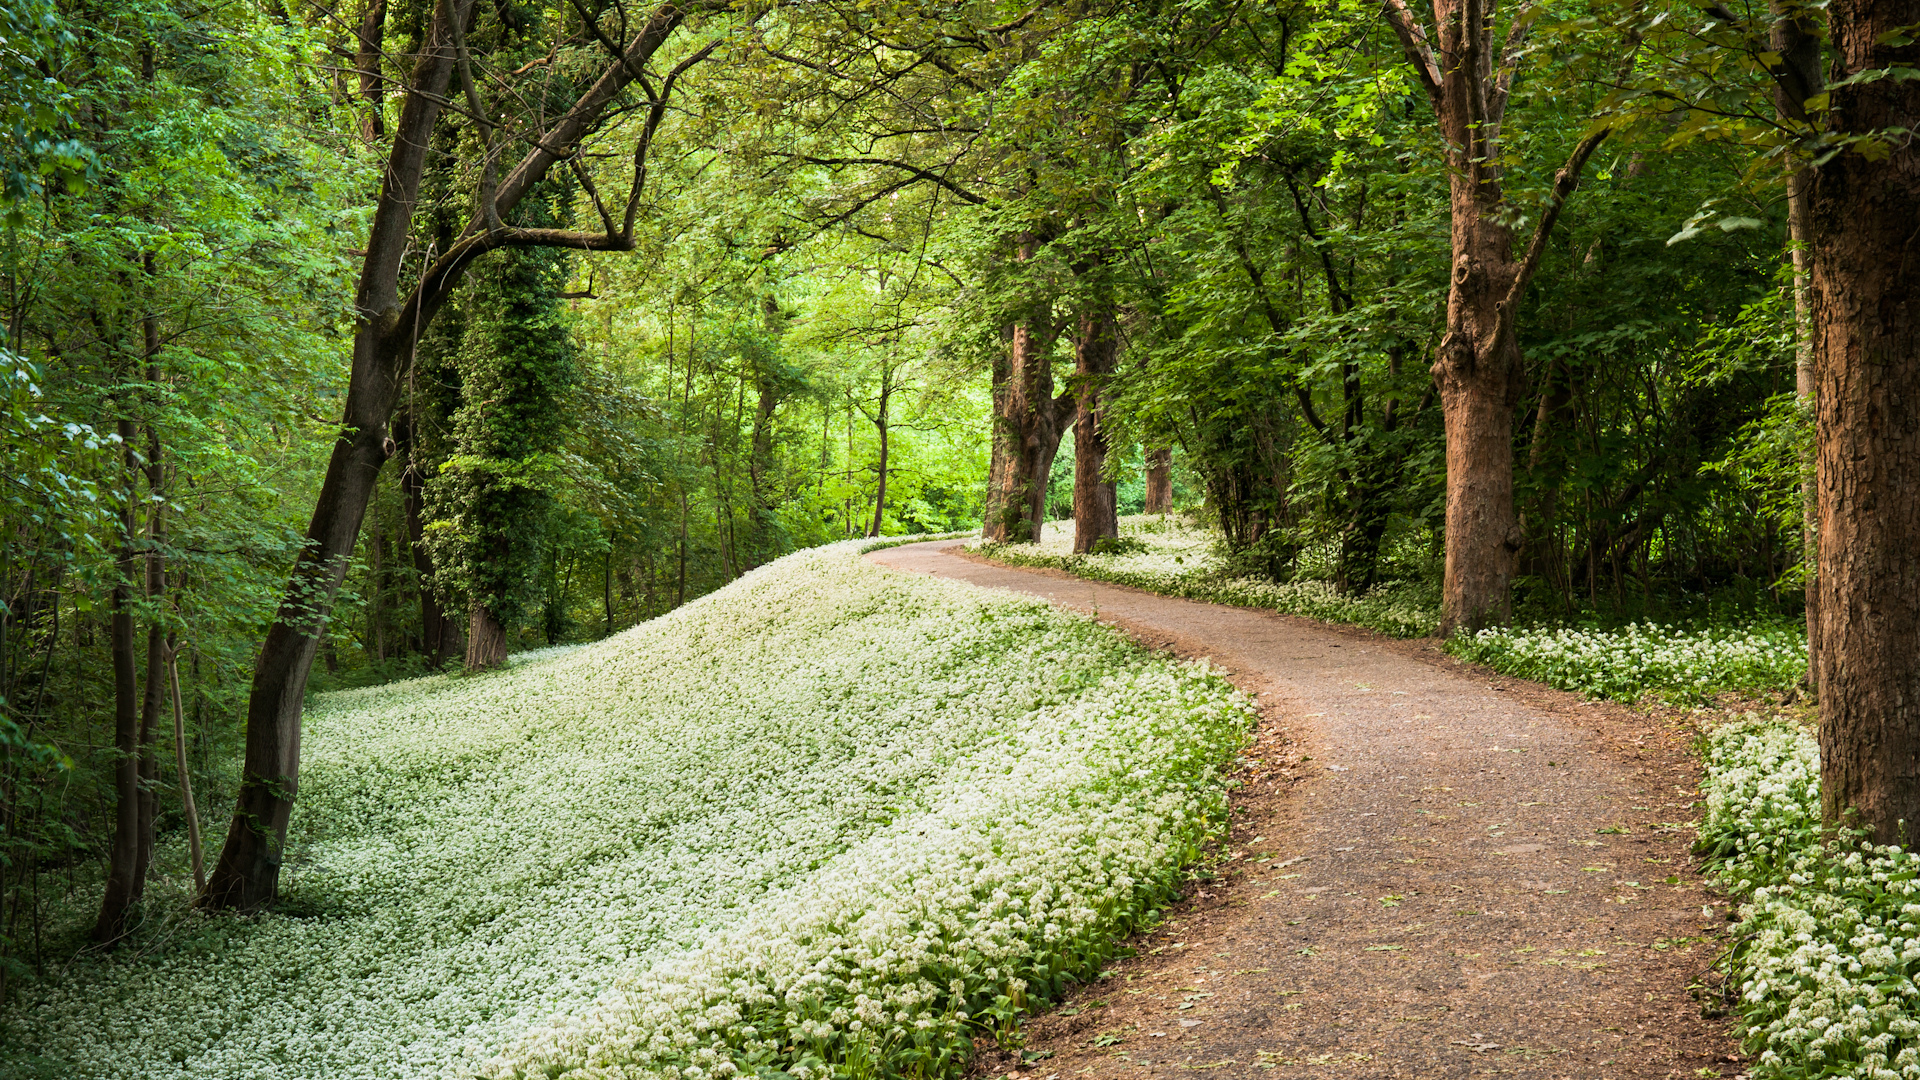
(1829,932)
(1630,662)
(1168,555)
(831,820)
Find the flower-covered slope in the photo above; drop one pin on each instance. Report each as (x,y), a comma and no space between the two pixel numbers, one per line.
(826,815)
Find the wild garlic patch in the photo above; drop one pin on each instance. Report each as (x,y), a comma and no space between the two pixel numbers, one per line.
(1175,559)
(828,815)
(1829,935)
(1643,658)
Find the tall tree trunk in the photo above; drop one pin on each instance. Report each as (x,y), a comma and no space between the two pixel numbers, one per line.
(439,633)
(1867,346)
(880,430)
(1095,511)
(760,459)
(153,699)
(1028,424)
(1159,480)
(1795,38)
(195,849)
(124,882)
(1477,365)
(248,873)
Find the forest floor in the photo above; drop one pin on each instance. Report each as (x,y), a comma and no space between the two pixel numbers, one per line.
(1433,872)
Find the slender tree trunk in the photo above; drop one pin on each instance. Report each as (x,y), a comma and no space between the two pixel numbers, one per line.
(606,587)
(1867,344)
(1159,480)
(1095,511)
(153,698)
(124,882)
(1805,387)
(248,872)
(880,428)
(439,634)
(195,849)
(1795,38)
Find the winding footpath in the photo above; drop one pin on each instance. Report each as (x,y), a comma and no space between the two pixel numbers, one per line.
(1433,872)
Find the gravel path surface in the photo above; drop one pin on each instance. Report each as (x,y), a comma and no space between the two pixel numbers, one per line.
(1434,872)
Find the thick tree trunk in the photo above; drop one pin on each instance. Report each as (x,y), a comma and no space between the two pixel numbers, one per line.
(1159,480)
(1027,425)
(1867,347)
(125,882)
(1477,364)
(1095,511)
(486,639)
(1478,375)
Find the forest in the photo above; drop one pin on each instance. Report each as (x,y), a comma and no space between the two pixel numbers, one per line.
(353,342)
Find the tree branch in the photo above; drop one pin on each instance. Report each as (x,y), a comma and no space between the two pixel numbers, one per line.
(1564,182)
(918,173)
(1413,38)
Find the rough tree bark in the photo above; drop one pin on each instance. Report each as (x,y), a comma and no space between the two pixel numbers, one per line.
(1096,515)
(1027,424)
(1866,328)
(1477,365)
(247,874)
(486,639)
(1159,480)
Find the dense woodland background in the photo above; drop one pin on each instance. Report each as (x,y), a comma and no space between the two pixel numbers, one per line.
(865,227)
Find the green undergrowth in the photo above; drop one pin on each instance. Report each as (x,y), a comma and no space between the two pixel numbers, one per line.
(1667,661)
(829,821)
(1163,554)
(1671,661)
(1829,934)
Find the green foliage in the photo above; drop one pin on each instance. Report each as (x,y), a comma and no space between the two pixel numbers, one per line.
(493,498)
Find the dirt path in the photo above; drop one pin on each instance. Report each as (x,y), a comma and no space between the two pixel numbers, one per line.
(1434,872)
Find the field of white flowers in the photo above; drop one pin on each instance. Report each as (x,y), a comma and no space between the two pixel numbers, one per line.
(829,821)
(1829,937)
(1644,658)
(1175,558)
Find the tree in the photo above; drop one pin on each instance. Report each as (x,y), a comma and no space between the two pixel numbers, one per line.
(247,874)
(1864,201)
(1477,364)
